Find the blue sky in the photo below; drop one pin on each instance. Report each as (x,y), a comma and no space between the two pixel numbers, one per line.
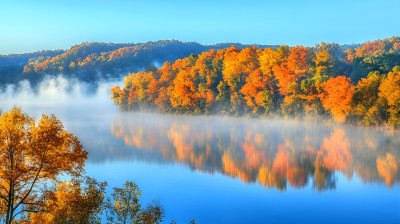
(27,26)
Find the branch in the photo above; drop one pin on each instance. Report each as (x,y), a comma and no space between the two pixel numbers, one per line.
(1,196)
(4,189)
(36,177)
(24,210)
(30,203)
(30,189)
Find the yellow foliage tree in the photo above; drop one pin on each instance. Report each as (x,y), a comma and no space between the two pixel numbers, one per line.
(30,155)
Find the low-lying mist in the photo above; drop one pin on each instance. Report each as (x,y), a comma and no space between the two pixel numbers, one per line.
(251,149)
(58,94)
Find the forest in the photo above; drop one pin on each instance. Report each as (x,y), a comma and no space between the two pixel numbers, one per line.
(94,61)
(359,85)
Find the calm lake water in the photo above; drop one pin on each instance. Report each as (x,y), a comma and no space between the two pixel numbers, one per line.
(220,170)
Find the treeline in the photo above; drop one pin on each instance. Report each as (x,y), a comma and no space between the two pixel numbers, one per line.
(360,85)
(23,59)
(93,61)
(12,65)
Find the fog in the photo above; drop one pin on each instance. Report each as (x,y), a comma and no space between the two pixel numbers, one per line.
(241,148)
(217,164)
(58,95)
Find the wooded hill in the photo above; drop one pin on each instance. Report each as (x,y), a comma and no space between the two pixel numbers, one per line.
(360,85)
(94,61)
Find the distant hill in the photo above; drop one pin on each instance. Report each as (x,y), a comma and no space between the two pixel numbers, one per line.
(96,60)
(93,61)
(23,59)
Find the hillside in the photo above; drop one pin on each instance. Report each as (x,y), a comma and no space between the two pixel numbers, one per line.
(94,61)
(359,85)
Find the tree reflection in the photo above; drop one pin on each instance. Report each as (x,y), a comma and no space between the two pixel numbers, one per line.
(387,168)
(334,153)
(273,154)
(323,179)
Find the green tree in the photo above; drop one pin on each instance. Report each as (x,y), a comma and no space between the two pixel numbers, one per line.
(125,207)
(223,97)
(367,108)
(192,59)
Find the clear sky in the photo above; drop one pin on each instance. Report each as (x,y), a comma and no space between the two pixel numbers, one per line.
(27,26)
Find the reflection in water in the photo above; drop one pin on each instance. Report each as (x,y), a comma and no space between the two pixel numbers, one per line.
(387,168)
(334,153)
(273,153)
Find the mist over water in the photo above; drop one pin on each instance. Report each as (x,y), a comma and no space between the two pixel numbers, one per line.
(219,169)
(58,95)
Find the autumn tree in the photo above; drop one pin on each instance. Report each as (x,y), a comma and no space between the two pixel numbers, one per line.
(31,155)
(268,59)
(337,97)
(255,83)
(166,74)
(291,70)
(325,60)
(368,108)
(283,52)
(324,63)
(370,48)
(293,103)
(152,214)
(119,97)
(137,86)
(125,207)
(238,64)
(310,93)
(389,90)
(80,200)
(184,95)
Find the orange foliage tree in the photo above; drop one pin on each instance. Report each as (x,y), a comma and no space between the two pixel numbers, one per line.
(30,155)
(255,84)
(337,97)
(291,70)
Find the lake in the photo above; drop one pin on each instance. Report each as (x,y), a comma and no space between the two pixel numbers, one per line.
(237,170)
